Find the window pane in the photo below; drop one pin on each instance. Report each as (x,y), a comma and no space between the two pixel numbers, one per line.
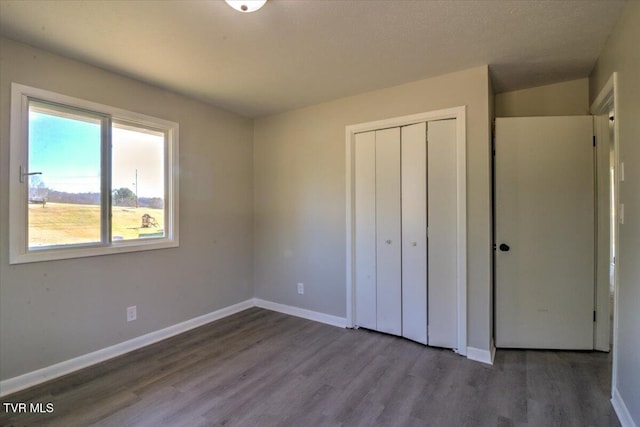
(138,184)
(64,199)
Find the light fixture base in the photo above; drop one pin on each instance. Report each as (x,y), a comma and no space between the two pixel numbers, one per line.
(246,6)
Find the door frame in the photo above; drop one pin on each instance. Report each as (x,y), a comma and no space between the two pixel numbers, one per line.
(607,100)
(459,114)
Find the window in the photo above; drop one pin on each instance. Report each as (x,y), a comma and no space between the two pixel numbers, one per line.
(88,179)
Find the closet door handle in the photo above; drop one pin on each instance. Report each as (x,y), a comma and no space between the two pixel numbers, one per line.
(388,242)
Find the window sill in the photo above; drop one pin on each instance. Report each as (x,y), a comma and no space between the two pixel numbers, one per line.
(39,255)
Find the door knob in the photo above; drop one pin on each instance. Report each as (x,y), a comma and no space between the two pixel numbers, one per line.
(388,242)
(504,247)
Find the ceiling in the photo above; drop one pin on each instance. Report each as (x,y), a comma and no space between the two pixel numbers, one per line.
(294,53)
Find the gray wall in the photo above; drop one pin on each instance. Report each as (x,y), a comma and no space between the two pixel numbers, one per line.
(622,54)
(569,98)
(54,311)
(299,176)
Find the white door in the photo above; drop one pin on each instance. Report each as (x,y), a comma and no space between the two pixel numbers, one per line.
(443,237)
(604,246)
(377,235)
(544,232)
(414,232)
(365,229)
(388,243)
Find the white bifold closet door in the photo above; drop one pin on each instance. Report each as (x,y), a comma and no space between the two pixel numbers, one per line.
(405,279)
(388,226)
(414,232)
(377,231)
(365,230)
(443,237)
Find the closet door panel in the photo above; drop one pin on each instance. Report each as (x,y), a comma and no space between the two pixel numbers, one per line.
(365,229)
(388,257)
(442,222)
(414,232)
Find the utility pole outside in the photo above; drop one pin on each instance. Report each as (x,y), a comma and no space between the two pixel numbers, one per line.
(136,188)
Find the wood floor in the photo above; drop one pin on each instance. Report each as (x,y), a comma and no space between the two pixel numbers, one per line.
(261,368)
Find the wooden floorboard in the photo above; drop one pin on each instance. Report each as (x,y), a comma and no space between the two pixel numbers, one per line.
(262,368)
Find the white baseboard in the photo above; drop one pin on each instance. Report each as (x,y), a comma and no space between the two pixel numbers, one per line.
(483,356)
(624,416)
(30,379)
(301,312)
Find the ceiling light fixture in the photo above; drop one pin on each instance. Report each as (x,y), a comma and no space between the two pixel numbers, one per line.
(246,6)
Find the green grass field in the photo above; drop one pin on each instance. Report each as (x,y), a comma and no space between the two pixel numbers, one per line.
(65,223)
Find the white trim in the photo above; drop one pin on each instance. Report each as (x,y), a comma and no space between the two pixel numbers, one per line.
(18,251)
(607,98)
(447,113)
(458,113)
(461,166)
(349,190)
(606,95)
(483,356)
(624,416)
(301,312)
(30,379)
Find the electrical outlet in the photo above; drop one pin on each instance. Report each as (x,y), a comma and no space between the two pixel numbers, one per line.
(132,313)
(301,288)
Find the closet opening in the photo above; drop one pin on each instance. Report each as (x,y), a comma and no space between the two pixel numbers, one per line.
(406,227)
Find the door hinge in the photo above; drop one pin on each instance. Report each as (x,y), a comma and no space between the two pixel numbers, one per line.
(594,315)
(594,140)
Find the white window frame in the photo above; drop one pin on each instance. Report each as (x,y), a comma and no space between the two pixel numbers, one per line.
(18,191)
